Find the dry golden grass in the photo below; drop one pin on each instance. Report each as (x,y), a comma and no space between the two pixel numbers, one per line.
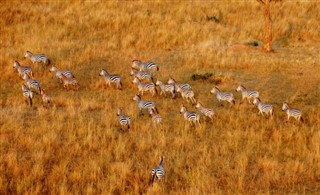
(77,147)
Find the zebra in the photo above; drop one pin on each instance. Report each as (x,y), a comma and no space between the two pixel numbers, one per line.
(144,104)
(157,172)
(123,120)
(141,75)
(205,111)
(38,58)
(263,108)
(187,94)
(145,86)
(247,94)
(156,118)
(22,69)
(223,96)
(32,84)
(292,112)
(166,88)
(27,93)
(184,86)
(69,81)
(111,78)
(58,73)
(144,66)
(192,117)
(46,100)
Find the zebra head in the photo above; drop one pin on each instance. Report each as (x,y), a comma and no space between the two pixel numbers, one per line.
(158,82)
(28,54)
(119,111)
(183,109)
(256,101)
(240,88)
(214,90)
(136,98)
(53,69)
(135,63)
(161,161)
(136,80)
(171,81)
(198,105)
(103,72)
(16,64)
(285,106)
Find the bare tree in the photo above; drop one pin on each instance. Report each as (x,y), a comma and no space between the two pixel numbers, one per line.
(267,42)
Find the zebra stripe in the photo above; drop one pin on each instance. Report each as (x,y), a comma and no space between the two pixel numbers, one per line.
(34,85)
(145,86)
(223,96)
(123,120)
(192,117)
(111,79)
(205,111)
(187,94)
(22,69)
(263,108)
(69,81)
(58,73)
(144,66)
(184,86)
(141,75)
(292,112)
(166,88)
(144,104)
(247,94)
(37,58)
(157,172)
(27,94)
(46,100)
(156,118)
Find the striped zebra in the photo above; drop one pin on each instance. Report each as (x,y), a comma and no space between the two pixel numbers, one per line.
(184,86)
(69,82)
(46,100)
(58,73)
(223,96)
(157,172)
(292,112)
(27,94)
(156,118)
(145,66)
(37,58)
(166,88)
(263,108)
(247,94)
(111,79)
(205,111)
(145,86)
(187,94)
(123,120)
(32,84)
(22,69)
(192,117)
(141,75)
(145,105)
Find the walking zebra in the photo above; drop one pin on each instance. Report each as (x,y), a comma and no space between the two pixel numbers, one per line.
(123,120)
(156,118)
(37,58)
(263,108)
(223,96)
(192,117)
(247,94)
(32,84)
(292,112)
(141,75)
(111,78)
(27,94)
(157,172)
(145,105)
(69,81)
(184,86)
(144,66)
(205,111)
(187,94)
(46,100)
(145,86)
(22,69)
(166,88)
(58,73)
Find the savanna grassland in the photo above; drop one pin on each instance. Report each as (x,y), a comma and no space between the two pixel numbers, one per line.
(76,146)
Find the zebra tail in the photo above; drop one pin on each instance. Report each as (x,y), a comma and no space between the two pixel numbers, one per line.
(49,62)
(30,99)
(302,119)
(155,110)
(157,68)
(120,85)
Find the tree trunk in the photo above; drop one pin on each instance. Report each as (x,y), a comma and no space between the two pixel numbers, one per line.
(267,43)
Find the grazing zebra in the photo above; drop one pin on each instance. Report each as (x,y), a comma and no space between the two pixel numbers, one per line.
(192,117)
(69,81)
(166,88)
(32,84)
(156,118)
(158,171)
(123,120)
(184,86)
(27,94)
(46,100)
(263,108)
(141,75)
(111,78)
(145,86)
(22,69)
(187,94)
(58,73)
(38,58)
(144,104)
(223,96)
(292,112)
(144,66)
(205,111)
(247,94)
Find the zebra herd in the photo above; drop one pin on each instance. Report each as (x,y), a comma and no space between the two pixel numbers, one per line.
(143,73)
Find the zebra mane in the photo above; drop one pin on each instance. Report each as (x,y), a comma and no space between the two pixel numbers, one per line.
(134,60)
